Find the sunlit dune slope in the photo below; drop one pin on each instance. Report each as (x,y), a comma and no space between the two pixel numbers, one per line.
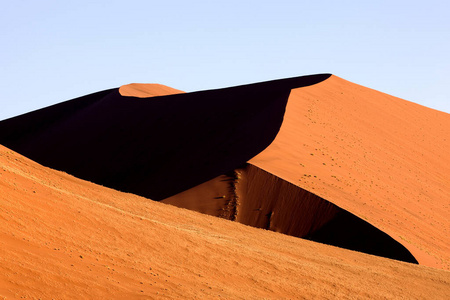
(145,90)
(381,158)
(61,237)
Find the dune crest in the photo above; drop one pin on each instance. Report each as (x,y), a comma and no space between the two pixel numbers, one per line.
(146,90)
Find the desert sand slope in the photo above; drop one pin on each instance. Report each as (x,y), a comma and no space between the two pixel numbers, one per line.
(159,146)
(146,90)
(252,196)
(381,158)
(64,238)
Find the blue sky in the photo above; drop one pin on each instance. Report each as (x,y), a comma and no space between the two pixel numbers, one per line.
(53,51)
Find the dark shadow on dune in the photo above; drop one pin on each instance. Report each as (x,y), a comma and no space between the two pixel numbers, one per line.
(26,128)
(154,147)
(348,231)
(269,202)
(254,197)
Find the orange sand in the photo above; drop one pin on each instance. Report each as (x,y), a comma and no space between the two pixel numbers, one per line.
(252,196)
(145,90)
(61,237)
(382,158)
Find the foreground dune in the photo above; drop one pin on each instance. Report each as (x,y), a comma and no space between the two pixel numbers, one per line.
(62,237)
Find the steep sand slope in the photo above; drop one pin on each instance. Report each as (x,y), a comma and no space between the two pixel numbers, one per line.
(381,158)
(252,196)
(61,237)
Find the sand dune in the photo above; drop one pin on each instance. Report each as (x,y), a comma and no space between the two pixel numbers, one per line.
(62,237)
(381,158)
(315,157)
(158,147)
(145,90)
(377,157)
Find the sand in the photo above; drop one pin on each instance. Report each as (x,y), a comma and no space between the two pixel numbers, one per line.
(329,161)
(159,146)
(146,90)
(64,238)
(381,158)
(252,196)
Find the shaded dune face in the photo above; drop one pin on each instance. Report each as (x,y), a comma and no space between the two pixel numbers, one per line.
(27,129)
(348,231)
(154,147)
(252,196)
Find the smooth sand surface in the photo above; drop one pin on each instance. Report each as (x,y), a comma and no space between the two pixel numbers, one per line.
(146,90)
(65,238)
(382,158)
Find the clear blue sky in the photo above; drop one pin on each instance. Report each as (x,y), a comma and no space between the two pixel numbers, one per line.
(53,51)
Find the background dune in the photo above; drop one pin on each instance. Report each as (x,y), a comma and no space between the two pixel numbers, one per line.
(145,90)
(62,237)
(379,157)
(159,147)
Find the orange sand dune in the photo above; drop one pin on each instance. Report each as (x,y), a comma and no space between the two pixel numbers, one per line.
(381,158)
(346,158)
(62,237)
(145,90)
(161,145)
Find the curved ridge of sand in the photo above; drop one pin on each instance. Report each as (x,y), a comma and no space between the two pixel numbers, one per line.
(252,196)
(146,90)
(381,158)
(62,237)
